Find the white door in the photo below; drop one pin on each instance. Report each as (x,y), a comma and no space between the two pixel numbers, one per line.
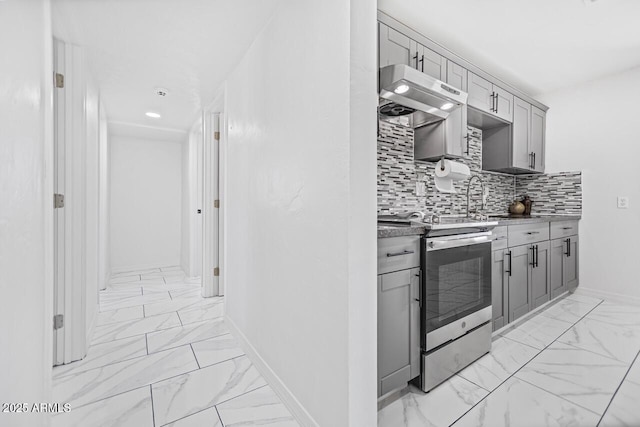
(211,207)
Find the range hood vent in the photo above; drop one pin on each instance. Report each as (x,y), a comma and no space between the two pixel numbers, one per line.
(411,98)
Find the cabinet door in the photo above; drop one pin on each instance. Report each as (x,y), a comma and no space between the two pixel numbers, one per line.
(394,291)
(521,134)
(538,127)
(456,132)
(480,91)
(519,302)
(556,266)
(414,351)
(394,47)
(571,266)
(540,275)
(503,103)
(431,63)
(499,289)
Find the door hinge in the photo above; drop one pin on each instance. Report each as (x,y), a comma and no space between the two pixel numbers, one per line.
(59,80)
(216,136)
(216,203)
(58,201)
(58,321)
(216,271)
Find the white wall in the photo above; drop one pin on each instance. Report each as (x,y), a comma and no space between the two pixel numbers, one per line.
(26,215)
(104,267)
(192,201)
(146,199)
(300,206)
(185,241)
(593,128)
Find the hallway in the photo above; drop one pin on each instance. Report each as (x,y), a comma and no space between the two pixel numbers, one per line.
(161,354)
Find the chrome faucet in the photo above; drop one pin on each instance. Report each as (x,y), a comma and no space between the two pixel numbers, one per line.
(469,194)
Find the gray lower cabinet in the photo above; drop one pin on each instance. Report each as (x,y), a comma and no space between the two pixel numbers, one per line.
(539,271)
(397,292)
(499,288)
(518,271)
(564,265)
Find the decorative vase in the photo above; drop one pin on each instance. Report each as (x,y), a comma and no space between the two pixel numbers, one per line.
(527,202)
(516,208)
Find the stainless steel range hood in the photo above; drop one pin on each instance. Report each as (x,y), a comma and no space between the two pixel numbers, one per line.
(411,98)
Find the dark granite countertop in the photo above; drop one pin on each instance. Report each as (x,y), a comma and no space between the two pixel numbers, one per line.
(417,229)
(534,219)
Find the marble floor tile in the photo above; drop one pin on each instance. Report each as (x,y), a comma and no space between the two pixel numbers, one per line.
(130,409)
(568,310)
(440,407)
(216,350)
(125,279)
(190,393)
(134,300)
(129,328)
(182,303)
(538,332)
(171,268)
(609,340)
(260,407)
(577,296)
(518,404)
(580,376)
(175,279)
(128,313)
(100,383)
(199,314)
(169,287)
(624,409)
(174,337)
(163,274)
(132,272)
(207,418)
(505,358)
(187,291)
(105,354)
(617,314)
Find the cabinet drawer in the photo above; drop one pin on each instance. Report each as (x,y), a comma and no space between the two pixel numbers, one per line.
(500,236)
(563,229)
(528,233)
(398,253)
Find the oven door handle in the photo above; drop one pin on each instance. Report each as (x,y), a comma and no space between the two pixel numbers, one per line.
(435,244)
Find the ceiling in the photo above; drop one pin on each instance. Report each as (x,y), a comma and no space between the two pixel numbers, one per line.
(536,45)
(135,46)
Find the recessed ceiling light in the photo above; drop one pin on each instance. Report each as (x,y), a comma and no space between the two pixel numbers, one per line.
(401,89)
(446,106)
(152,115)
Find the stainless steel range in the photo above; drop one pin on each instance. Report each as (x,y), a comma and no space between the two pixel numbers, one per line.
(456,296)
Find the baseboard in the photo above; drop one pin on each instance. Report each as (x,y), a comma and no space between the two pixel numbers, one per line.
(608,296)
(295,407)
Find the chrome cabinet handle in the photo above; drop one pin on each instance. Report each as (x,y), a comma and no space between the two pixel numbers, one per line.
(509,271)
(567,228)
(533,257)
(493,103)
(416,58)
(497,103)
(422,63)
(537,257)
(468,137)
(405,252)
(532,232)
(568,242)
(534,160)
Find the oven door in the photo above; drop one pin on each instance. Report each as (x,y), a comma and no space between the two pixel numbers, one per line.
(457,280)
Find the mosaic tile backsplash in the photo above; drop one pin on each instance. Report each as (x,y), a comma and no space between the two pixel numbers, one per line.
(557,193)
(398,174)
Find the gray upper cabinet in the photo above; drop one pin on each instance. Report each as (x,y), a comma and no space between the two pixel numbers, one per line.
(518,270)
(429,62)
(499,288)
(503,102)
(518,148)
(540,282)
(480,93)
(490,98)
(537,139)
(521,133)
(394,47)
